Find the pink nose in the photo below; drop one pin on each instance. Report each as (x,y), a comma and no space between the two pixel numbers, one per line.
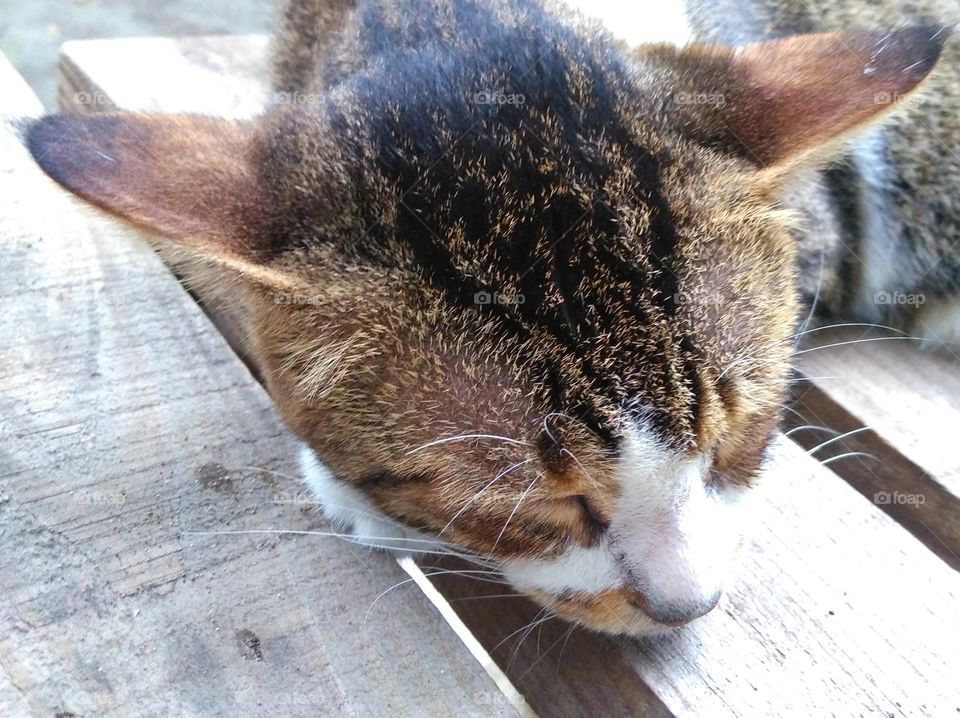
(673,612)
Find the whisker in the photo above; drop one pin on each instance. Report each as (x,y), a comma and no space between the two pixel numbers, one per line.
(564,449)
(468,437)
(573,627)
(484,488)
(850,325)
(563,637)
(522,628)
(364,541)
(835,439)
(810,427)
(847,456)
(519,501)
(536,623)
(466,574)
(366,615)
(816,295)
(854,341)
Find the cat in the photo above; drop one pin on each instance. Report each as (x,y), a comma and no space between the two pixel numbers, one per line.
(525,292)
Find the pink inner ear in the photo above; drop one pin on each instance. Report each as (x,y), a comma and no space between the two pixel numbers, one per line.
(188,178)
(805,91)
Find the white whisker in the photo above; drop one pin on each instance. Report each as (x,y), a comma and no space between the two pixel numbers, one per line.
(468,437)
(835,439)
(855,341)
(847,456)
(519,501)
(850,325)
(484,488)
(810,427)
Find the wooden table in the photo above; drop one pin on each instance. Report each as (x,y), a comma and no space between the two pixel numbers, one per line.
(130,425)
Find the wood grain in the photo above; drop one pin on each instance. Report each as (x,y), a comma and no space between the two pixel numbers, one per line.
(838,610)
(911,397)
(133,445)
(207,75)
(904,405)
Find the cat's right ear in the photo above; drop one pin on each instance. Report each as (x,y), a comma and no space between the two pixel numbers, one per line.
(780,101)
(190,179)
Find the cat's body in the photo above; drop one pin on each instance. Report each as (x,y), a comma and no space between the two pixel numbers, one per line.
(544,295)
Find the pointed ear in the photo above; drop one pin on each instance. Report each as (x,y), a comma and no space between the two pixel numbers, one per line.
(776,102)
(800,93)
(192,179)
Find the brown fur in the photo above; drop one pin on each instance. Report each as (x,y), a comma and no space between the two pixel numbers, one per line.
(658,269)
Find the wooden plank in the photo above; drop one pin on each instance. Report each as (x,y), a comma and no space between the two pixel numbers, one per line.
(221,75)
(904,406)
(911,397)
(838,611)
(132,445)
(902,489)
(562,669)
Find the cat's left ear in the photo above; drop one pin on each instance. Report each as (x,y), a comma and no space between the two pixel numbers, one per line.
(191,179)
(780,101)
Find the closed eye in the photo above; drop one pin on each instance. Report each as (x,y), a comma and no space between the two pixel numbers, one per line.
(575,515)
(594,518)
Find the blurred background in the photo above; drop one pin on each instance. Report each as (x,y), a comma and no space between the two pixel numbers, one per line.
(31,31)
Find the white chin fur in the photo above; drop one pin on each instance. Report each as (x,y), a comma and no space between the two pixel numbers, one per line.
(349,511)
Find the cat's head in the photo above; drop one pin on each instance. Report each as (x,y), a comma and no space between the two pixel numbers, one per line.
(538,303)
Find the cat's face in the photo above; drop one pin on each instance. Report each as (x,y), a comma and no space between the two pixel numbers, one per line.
(584,412)
(555,335)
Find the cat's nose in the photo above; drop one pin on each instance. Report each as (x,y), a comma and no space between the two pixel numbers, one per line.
(673,612)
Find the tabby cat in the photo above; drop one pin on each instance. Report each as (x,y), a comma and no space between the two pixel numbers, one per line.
(532,293)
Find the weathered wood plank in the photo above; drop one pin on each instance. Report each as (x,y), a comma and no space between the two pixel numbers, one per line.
(132,444)
(208,75)
(912,496)
(904,406)
(911,397)
(218,75)
(838,611)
